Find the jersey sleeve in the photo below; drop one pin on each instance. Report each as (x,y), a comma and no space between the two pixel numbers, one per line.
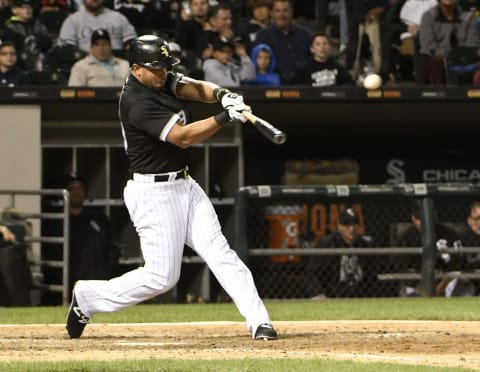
(149,117)
(173,78)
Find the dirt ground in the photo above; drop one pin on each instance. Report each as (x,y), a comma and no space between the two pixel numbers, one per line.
(455,344)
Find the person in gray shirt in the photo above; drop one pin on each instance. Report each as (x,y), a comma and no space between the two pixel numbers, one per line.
(78,27)
(223,68)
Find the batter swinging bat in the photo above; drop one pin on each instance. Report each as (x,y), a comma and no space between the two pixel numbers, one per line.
(275,135)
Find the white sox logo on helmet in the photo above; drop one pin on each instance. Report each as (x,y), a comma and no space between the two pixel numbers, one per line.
(164,51)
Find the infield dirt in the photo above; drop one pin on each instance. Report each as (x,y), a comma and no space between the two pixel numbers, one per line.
(435,343)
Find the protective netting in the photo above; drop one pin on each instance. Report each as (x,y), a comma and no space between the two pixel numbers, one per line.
(385,259)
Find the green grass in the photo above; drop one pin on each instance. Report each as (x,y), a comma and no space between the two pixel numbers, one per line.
(246,365)
(335,309)
(465,309)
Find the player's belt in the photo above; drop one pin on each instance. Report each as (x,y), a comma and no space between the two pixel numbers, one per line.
(163,177)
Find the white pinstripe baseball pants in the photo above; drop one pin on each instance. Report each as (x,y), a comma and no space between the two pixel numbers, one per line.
(168,215)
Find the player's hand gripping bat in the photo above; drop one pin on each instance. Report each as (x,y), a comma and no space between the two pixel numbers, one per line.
(275,135)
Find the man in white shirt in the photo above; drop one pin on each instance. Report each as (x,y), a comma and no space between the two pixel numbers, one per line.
(100,68)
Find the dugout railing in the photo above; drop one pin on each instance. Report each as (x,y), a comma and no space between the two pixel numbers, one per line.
(59,242)
(278,228)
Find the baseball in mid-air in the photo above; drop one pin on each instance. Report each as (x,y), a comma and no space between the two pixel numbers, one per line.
(372,81)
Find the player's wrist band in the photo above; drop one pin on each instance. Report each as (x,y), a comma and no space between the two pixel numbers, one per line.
(221,118)
(218,93)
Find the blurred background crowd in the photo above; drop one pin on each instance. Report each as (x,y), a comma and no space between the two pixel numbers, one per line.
(244,42)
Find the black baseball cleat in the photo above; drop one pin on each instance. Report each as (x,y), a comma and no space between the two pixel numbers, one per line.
(265,331)
(76,319)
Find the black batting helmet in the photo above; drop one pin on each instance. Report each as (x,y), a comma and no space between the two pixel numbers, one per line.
(151,51)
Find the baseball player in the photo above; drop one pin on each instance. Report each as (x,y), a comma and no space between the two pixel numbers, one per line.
(167,207)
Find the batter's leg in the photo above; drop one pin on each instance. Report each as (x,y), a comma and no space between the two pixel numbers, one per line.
(159,212)
(204,235)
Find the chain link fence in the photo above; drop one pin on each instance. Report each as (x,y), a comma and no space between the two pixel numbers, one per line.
(408,240)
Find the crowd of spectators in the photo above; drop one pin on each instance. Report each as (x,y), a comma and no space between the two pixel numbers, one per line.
(404,41)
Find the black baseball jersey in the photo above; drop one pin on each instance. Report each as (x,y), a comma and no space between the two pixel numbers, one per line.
(146,117)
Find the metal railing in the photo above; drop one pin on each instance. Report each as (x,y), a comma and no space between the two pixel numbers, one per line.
(64,239)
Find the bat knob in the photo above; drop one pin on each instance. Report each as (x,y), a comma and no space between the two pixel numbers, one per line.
(280,139)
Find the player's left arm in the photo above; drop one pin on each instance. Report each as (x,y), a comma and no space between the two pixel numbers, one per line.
(208,92)
(196,90)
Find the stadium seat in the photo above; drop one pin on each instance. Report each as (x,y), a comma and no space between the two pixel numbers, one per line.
(45,78)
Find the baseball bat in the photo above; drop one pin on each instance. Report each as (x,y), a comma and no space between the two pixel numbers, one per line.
(275,135)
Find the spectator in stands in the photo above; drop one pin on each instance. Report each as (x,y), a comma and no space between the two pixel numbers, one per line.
(321,70)
(368,15)
(290,43)
(442,29)
(30,36)
(7,235)
(348,275)
(259,18)
(190,28)
(391,27)
(265,63)
(411,14)
(100,68)
(219,25)
(411,237)
(10,74)
(223,70)
(78,27)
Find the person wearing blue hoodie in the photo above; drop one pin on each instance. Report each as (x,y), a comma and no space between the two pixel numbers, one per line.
(265,62)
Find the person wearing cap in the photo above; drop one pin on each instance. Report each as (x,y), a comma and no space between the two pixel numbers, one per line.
(100,68)
(10,74)
(28,33)
(222,69)
(78,27)
(345,275)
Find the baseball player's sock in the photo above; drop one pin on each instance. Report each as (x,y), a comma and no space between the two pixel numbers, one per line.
(265,331)
(76,319)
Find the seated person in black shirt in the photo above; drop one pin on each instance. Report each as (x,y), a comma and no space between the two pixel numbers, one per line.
(321,70)
(341,275)
(92,255)
(411,237)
